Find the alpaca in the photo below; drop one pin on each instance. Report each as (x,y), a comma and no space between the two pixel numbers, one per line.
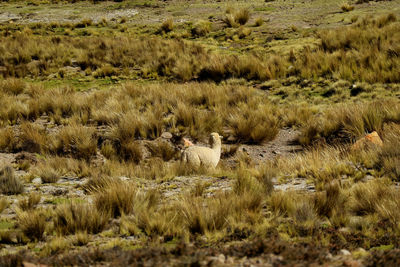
(197,156)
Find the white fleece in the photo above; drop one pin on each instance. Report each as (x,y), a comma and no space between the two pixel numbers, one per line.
(198,156)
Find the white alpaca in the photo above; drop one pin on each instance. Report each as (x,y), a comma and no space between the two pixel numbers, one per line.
(198,156)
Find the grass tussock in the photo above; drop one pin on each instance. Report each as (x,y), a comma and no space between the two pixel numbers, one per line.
(116,199)
(167,25)
(76,140)
(254,127)
(201,28)
(346,7)
(32,224)
(32,138)
(12,86)
(3,204)
(349,123)
(30,202)
(9,183)
(235,18)
(77,217)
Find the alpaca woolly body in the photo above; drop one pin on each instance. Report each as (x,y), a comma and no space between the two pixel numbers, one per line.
(198,156)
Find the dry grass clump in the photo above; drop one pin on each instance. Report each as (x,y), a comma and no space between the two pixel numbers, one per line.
(63,166)
(162,149)
(376,197)
(48,175)
(200,217)
(32,224)
(388,157)
(29,202)
(56,245)
(76,140)
(32,138)
(201,28)
(342,48)
(12,86)
(77,217)
(346,7)
(259,22)
(3,204)
(330,201)
(8,141)
(80,239)
(236,18)
(116,199)
(167,25)
(348,123)
(242,16)
(254,127)
(9,183)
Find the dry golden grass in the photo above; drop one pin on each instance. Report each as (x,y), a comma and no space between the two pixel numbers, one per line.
(32,224)
(29,202)
(201,28)
(344,53)
(346,7)
(33,139)
(167,25)
(348,123)
(3,204)
(9,183)
(259,22)
(76,140)
(117,198)
(74,218)
(12,86)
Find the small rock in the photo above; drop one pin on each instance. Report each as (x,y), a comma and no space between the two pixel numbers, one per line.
(221,258)
(166,135)
(37,180)
(345,252)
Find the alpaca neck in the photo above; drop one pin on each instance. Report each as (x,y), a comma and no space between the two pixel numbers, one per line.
(217,148)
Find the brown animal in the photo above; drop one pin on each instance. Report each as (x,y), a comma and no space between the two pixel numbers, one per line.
(368,140)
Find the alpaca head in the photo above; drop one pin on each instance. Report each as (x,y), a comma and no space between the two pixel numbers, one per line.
(215,139)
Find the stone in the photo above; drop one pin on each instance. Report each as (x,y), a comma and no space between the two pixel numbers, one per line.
(37,180)
(221,258)
(368,140)
(345,252)
(166,135)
